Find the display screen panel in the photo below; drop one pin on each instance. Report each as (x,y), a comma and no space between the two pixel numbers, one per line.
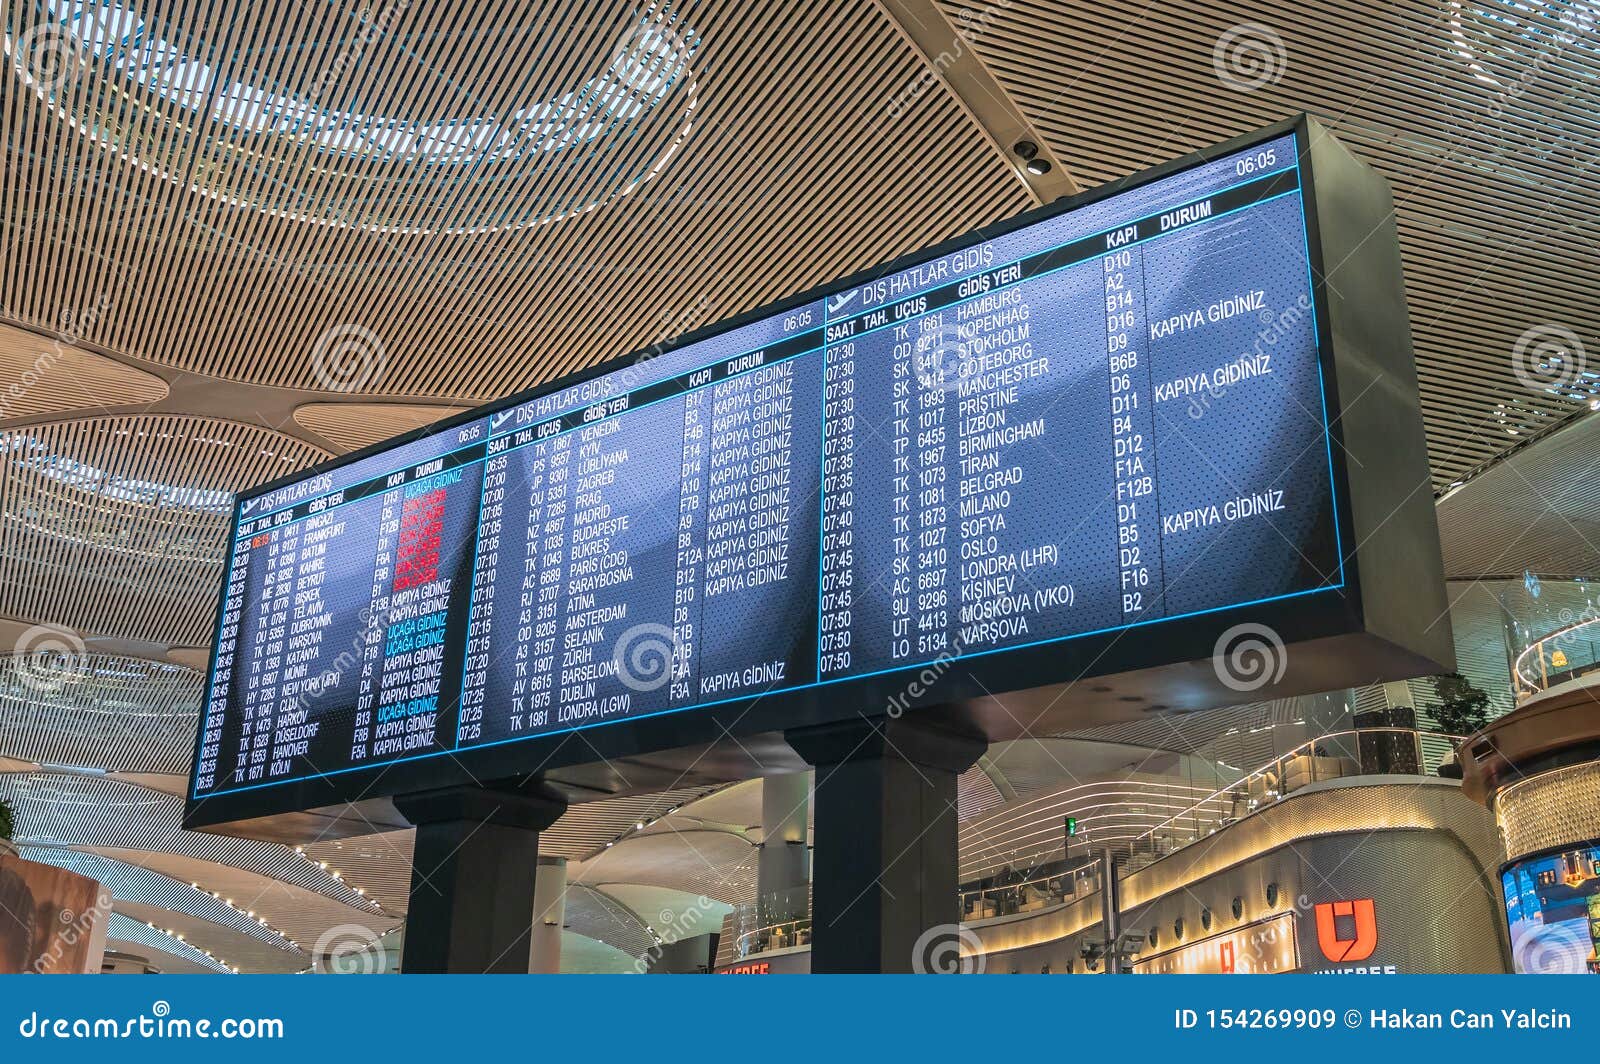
(1553,912)
(1090,420)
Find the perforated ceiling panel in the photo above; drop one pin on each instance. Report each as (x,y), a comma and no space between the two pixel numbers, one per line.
(133,884)
(1537,510)
(717,864)
(122,928)
(350,426)
(975,793)
(599,916)
(304,915)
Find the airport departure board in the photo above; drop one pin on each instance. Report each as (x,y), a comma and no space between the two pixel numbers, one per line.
(1104,417)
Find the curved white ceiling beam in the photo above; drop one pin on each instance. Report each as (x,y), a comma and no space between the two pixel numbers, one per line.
(64,810)
(135,884)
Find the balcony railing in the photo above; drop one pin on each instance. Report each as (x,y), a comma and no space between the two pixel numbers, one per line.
(1337,755)
(1565,654)
(773,937)
(1001,898)
(775,920)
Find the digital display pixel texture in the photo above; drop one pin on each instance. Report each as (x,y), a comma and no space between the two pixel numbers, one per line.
(1108,417)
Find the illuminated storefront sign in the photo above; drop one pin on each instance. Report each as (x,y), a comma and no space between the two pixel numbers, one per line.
(1266,947)
(1347,932)
(1362,926)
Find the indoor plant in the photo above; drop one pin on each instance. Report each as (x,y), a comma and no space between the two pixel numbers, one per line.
(7,825)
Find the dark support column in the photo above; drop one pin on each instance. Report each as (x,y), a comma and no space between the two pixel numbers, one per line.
(884,868)
(472,878)
(1111,910)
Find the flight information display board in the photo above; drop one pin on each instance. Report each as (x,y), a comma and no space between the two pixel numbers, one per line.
(1102,417)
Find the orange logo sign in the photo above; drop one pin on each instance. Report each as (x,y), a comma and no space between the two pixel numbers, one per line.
(1364,938)
(1227,957)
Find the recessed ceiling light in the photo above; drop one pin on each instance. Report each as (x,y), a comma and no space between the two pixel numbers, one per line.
(1038,167)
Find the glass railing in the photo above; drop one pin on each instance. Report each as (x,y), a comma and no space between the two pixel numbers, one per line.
(1028,893)
(775,920)
(1565,654)
(1337,755)
(774,937)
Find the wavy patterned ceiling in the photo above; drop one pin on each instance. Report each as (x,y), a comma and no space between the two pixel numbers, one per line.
(99,711)
(116,525)
(265,231)
(389,296)
(135,885)
(54,809)
(48,374)
(1479,112)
